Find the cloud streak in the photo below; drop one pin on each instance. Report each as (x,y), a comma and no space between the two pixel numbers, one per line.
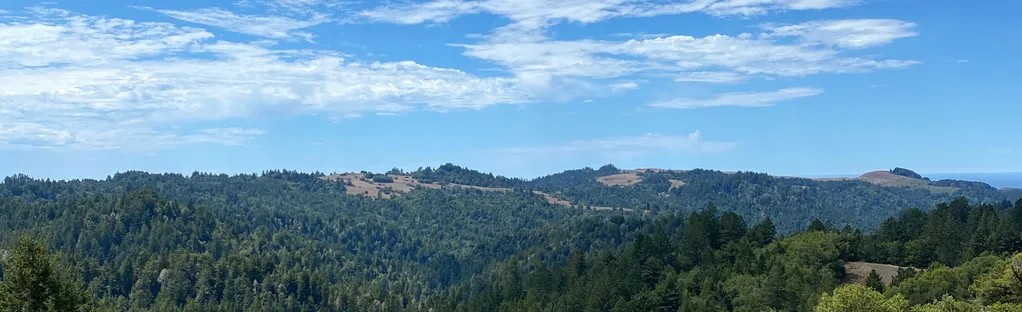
(536,13)
(741,99)
(530,18)
(709,59)
(269,26)
(523,48)
(850,34)
(83,81)
(86,81)
(623,147)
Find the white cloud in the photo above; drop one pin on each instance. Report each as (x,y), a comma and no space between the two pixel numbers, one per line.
(743,99)
(716,58)
(529,18)
(583,58)
(522,46)
(710,77)
(295,8)
(87,81)
(428,12)
(539,13)
(277,27)
(224,136)
(621,147)
(759,7)
(624,86)
(33,134)
(82,40)
(849,33)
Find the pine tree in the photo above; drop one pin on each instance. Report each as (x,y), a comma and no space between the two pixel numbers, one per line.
(817,226)
(33,282)
(764,232)
(873,281)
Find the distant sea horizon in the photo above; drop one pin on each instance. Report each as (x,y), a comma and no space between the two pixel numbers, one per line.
(995,179)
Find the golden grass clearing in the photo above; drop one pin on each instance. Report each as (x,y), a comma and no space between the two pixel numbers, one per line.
(856,272)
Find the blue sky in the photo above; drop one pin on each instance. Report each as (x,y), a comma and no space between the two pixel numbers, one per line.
(516,87)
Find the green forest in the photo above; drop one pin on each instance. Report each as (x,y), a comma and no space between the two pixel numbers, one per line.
(290,241)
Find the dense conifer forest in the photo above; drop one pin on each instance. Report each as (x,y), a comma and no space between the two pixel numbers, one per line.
(291,241)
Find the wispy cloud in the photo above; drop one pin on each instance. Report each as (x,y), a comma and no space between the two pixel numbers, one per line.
(742,99)
(426,12)
(850,33)
(540,13)
(270,26)
(529,18)
(710,77)
(223,136)
(624,86)
(78,80)
(34,135)
(57,37)
(523,47)
(297,8)
(81,80)
(623,147)
(715,59)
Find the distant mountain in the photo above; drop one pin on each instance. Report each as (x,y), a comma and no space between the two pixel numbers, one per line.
(905,177)
(998,180)
(889,178)
(792,202)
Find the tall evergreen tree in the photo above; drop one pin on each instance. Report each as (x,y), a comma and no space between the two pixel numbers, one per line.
(33,281)
(873,281)
(816,226)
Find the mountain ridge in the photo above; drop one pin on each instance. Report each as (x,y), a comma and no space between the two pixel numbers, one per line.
(793,202)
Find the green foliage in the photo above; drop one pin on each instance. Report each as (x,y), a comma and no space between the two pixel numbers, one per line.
(714,269)
(939,281)
(792,203)
(708,264)
(381,178)
(449,173)
(874,282)
(906,173)
(816,226)
(932,285)
(34,281)
(858,298)
(1003,284)
(985,283)
(284,240)
(951,234)
(1005,307)
(948,304)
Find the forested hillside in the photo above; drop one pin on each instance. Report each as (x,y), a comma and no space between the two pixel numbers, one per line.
(284,240)
(708,261)
(281,240)
(792,202)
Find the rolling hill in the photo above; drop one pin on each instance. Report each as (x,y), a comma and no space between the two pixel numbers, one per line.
(791,201)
